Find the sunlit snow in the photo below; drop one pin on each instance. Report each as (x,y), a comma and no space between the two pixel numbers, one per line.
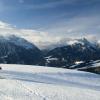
(24,82)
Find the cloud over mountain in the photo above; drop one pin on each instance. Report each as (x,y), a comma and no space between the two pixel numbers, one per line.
(38,37)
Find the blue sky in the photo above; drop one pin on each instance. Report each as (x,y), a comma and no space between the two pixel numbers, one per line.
(61,18)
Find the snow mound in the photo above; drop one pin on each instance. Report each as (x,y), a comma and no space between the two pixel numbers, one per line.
(24,82)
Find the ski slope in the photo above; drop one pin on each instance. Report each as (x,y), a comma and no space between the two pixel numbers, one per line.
(26,82)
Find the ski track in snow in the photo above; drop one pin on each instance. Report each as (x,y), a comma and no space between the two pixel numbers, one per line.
(21,82)
(31,92)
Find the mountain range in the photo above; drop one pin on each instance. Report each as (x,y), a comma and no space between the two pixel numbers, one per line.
(80,50)
(73,54)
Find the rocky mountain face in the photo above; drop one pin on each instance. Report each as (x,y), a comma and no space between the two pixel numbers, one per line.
(73,54)
(16,50)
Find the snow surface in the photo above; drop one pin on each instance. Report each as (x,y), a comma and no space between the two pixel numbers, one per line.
(79,62)
(74,42)
(24,82)
(93,64)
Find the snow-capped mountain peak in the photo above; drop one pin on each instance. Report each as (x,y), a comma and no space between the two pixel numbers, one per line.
(71,42)
(15,49)
(18,41)
(83,42)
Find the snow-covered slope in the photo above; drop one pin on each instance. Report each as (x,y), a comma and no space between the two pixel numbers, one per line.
(23,82)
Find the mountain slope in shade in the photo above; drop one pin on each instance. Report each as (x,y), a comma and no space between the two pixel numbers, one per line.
(74,51)
(17,50)
(21,82)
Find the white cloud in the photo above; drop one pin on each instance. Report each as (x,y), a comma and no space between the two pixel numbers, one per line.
(42,39)
(76,27)
(4,25)
(37,37)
